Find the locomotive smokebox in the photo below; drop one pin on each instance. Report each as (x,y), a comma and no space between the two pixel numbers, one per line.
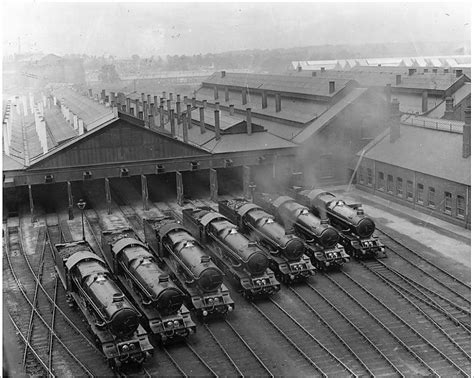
(294,249)
(124,322)
(365,228)
(329,238)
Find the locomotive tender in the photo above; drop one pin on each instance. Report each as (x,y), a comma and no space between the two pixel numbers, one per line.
(285,251)
(111,317)
(159,300)
(355,228)
(236,255)
(321,239)
(192,268)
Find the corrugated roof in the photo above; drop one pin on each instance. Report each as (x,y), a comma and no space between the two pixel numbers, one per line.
(91,112)
(333,111)
(11,163)
(278,83)
(58,126)
(433,152)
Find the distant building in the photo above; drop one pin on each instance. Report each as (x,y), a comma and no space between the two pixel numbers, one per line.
(421,162)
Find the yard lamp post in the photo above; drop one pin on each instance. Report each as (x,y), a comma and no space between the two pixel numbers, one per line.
(81,205)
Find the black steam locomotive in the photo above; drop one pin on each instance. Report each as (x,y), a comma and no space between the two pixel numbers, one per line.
(111,317)
(321,239)
(157,298)
(355,228)
(236,255)
(286,251)
(192,268)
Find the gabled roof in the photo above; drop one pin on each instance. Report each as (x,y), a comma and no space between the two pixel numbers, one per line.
(226,122)
(425,150)
(326,117)
(61,131)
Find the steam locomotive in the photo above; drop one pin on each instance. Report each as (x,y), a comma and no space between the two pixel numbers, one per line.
(192,268)
(321,239)
(286,251)
(159,300)
(355,228)
(112,318)
(239,257)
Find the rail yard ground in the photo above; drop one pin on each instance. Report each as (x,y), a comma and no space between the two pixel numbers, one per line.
(320,323)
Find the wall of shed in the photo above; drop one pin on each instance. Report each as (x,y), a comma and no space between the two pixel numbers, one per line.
(439,184)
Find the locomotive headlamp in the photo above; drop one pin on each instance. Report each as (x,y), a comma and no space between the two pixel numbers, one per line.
(211,300)
(169,324)
(229,308)
(125,348)
(132,346)
(176,323)
(204,313)
(258,282)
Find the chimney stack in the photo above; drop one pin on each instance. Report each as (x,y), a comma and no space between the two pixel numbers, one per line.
(188,111)
(204,103)
(193,102)
(249,121)
(299,68)
(171,96)
(226,94)
(323,69)
(411,71)
(231,109)
(313,73)
(128,105)
(222,73)
(216,92)
(398,79)
(137,107)
(172,127)
(80,124)
(185,100)
(217,124)
(178,111)
(424,102)
(449,112)
(185,129)
(264,99)
(201,120)
(178,98)
(168,105)
(458,73)
(332,87)
(466,134)
(217,105)
(148,98)
(155,101)
(151,121)
(162,117)
(394,120)
(277,102)
(163,94)
(140,115)
(143,96)
(90,92)
(244,96)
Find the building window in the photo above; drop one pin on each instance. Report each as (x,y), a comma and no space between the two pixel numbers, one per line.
(399,187)
(419,193)
(448,202)
(409,190)
(431,197)
(369,176)
(361,177)
(390,184)
(381,183)
(461,206)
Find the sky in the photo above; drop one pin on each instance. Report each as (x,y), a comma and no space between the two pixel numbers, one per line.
(158,28)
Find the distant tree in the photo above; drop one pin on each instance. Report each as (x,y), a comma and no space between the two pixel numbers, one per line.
(108,74)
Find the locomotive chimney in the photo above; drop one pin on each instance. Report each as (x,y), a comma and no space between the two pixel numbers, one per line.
(466,134)
(163,278)
(394,120)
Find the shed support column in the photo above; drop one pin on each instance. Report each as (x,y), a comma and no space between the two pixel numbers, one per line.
(144,193)
(214,188)
(32,205)
(108,197)
(179,189)
(70,201)
(246,177)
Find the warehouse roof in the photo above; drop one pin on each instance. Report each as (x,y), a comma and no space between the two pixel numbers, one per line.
(425,150)
(461,94)
(278,83)
(60,129)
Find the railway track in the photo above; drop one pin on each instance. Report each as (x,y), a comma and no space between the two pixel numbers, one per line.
(50,336)
(444,279)
(364,306)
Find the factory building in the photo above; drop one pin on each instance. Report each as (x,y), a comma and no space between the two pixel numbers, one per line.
(423,163)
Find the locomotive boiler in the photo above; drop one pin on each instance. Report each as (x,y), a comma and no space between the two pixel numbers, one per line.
(321,238)
(192,267)
(158,299)
(112,318)
(355,228)
(236,255)
(285,251)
